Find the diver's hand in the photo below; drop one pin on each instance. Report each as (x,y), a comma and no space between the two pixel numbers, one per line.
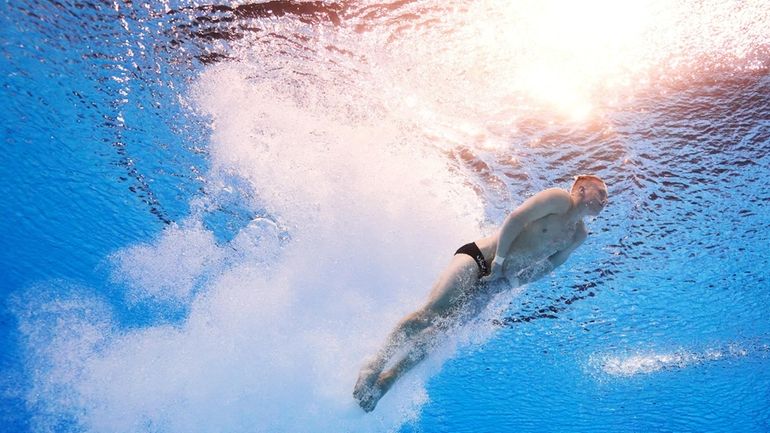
(495,273)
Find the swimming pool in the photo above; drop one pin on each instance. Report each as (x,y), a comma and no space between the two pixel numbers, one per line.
(213,213)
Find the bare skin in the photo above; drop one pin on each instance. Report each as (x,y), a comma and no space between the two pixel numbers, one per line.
(534,239)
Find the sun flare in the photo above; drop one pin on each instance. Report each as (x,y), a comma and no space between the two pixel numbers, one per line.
(574,48)
(574,56)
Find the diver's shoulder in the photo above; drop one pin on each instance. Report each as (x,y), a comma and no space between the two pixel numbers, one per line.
(556,192)
(556,198)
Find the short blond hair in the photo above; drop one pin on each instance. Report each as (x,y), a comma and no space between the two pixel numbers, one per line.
(588,178)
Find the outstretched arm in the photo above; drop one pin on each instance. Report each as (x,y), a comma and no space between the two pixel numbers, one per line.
(540,269)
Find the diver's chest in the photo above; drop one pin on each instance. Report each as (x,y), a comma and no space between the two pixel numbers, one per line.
(553,230)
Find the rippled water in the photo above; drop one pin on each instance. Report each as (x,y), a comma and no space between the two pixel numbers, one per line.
(215,212)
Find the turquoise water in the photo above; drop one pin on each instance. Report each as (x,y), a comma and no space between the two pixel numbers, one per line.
(215,213)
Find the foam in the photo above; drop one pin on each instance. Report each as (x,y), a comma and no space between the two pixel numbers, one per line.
(63,327)
(270,344)
(652,362)
(167,269)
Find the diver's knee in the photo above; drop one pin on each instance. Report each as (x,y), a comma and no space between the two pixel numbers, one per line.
(420,319)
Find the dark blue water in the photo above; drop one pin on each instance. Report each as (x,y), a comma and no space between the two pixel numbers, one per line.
(658,323)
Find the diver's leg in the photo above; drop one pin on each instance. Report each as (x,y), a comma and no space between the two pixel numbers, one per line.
(404,331)
(452,286)
(422,345)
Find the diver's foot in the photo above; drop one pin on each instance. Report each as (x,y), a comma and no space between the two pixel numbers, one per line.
(376,391)
(366,379)
(369,399)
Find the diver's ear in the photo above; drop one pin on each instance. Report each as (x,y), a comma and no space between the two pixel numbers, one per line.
(582,191)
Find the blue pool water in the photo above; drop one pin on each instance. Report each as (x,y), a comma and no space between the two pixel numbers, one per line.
(214,213)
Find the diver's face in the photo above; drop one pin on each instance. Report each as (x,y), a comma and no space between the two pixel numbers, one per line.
(594,198)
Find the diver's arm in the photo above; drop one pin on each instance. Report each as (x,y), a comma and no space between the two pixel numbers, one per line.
(544,203)
(538,270)
(560,257)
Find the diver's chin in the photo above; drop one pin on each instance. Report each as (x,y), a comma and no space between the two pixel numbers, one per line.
(592,215)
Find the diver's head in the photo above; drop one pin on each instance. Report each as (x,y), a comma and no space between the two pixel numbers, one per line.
(589,194)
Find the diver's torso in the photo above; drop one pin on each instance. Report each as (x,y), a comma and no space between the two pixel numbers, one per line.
(537,241)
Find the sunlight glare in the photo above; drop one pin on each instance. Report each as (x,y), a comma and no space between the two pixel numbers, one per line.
(574,48)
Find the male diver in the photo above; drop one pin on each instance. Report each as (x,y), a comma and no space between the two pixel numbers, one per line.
(534,239)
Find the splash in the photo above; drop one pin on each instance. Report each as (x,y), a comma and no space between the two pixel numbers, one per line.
(276,330)
(652,362)
(167,271)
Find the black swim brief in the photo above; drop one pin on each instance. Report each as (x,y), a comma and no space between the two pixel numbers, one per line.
(473,250)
